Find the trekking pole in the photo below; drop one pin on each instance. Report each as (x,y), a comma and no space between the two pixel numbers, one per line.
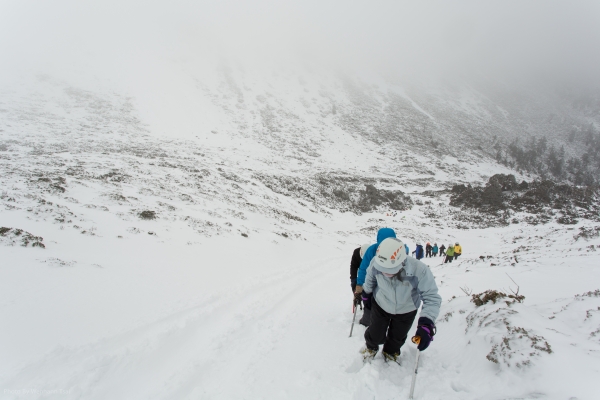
(416,340)
(354,317)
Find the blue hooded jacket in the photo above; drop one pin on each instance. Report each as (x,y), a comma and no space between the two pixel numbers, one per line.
(383,233)
(418,252)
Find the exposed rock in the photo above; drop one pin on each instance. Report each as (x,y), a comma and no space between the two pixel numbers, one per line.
(502,196)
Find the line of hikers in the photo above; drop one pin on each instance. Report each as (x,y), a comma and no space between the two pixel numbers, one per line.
(452,252)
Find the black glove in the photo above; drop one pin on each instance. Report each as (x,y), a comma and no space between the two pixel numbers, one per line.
(357,299)
(425,330)
(366,298)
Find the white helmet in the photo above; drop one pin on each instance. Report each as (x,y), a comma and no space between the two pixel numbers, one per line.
(390,256)
(364,248)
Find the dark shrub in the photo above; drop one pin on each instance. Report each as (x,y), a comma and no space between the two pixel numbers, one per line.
(147,214)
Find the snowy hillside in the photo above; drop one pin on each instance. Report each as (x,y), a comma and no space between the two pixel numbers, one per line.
(137,265)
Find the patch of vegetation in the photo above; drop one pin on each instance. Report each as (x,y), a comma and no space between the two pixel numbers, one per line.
(537,156)
(286,215)
(118,197)
(446,316)
(517,347)
(587,233)
(372,198)
(494,296)
(595,293)
(502,195)
(58,188)
(114,176)
(14,236)
(339,191)
(147,214)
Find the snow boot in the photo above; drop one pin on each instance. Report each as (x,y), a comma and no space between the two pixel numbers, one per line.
(368,354)
(387,357)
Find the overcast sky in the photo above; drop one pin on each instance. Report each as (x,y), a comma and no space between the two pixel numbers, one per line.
(555,39)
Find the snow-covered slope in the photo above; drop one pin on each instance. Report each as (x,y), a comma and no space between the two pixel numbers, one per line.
(213,263)
(175,315)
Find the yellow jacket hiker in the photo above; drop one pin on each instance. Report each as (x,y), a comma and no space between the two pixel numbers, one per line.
(457,250)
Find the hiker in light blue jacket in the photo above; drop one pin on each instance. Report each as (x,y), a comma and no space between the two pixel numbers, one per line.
(398,284)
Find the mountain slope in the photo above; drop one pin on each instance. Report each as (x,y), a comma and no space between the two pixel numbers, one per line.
(175,264)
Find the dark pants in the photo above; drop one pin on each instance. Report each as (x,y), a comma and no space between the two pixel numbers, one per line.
(456,256)
(390,330)
(434,255)
(366,317)
(449,259)
(428,253)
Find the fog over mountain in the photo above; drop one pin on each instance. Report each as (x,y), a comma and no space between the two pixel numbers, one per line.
(467,71)
(396,39)
(153,49)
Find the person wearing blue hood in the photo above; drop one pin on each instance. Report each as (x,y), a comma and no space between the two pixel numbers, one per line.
(382,234)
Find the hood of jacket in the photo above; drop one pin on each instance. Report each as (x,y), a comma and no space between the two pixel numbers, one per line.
(385,233)
(382,234)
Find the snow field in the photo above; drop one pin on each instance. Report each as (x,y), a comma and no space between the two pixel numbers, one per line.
(184,307)
(248,318)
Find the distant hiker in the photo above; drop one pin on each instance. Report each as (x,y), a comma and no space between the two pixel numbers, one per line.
(449,254)
(368,255)
(428,248)
(442,251)
(418,252)
(398,285)
(457,250)
(406,248)
(434,250)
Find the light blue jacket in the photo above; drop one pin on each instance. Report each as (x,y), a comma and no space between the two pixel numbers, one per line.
(382,234)
(396,296)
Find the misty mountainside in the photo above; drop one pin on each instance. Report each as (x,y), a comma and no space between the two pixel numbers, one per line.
(175,261)
(293,148)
